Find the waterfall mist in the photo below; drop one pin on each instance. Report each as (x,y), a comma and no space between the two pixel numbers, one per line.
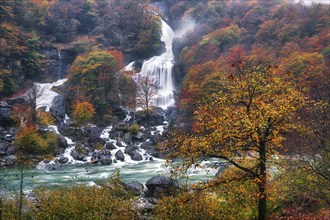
(186,26)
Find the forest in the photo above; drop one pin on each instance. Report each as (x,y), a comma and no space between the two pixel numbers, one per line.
(252,92)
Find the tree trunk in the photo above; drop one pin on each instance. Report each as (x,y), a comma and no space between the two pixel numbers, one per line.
(1,208)
(20,206)
(262,205)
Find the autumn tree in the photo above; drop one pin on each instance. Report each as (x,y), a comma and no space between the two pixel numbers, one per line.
(94,75)
(243,123)
(83,112)
(30,144)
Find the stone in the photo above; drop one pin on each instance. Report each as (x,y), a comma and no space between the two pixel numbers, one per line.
(136,156)
(6,119)
(54,166)
(136,187)
(160,184)
(15,101)
(63,160)
(110,146)
(77,156)
(106,160)
(94,131)
(147,145)
(10,150)
(130,148)
(120,155)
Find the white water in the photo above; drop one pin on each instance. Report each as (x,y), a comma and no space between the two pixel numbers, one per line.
(45,94)
(160,68)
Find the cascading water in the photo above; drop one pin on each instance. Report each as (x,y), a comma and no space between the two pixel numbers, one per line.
(160,68)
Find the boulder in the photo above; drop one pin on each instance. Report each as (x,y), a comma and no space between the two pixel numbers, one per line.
(77,156)
(58,108)
(156,153)
(127,138)
(10,160)
(136,156)
(159,185)
(16,101)
(140,136)
(10,150)
(63,159)
(63,143)
(136,187)
(3,148)
(106,160)
(130,148)
(110,146)
(120,155)
(147,145)
(54,166)
(152,119)
(94,131)
(6,119)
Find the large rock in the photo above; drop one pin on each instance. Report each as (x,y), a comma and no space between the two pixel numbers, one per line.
(155,117)
(160,185)
(10,150)
(130,148)
(94,131)
(110,146)
(120,155)
(147,145)
(16,101)
(6,119)
(63,159)
(136,187)
(77,156)
(58,107)
(106,160)
(54,166)
(136,156)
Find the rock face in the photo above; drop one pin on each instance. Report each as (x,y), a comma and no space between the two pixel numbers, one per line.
(6,114)
(58,108)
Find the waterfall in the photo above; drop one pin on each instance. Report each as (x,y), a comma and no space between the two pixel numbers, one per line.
(59,70)
(160,68)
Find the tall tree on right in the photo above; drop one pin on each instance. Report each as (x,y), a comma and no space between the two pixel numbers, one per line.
(243,123)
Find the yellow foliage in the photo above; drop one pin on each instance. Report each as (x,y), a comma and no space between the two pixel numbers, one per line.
(83,111)
(46,118)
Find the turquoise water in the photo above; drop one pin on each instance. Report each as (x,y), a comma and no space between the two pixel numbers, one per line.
(90,174)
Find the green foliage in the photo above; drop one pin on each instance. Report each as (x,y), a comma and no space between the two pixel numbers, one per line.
(134,129)
(108,201)
(296,187)
(223,38)
(93,75)
(30,142)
